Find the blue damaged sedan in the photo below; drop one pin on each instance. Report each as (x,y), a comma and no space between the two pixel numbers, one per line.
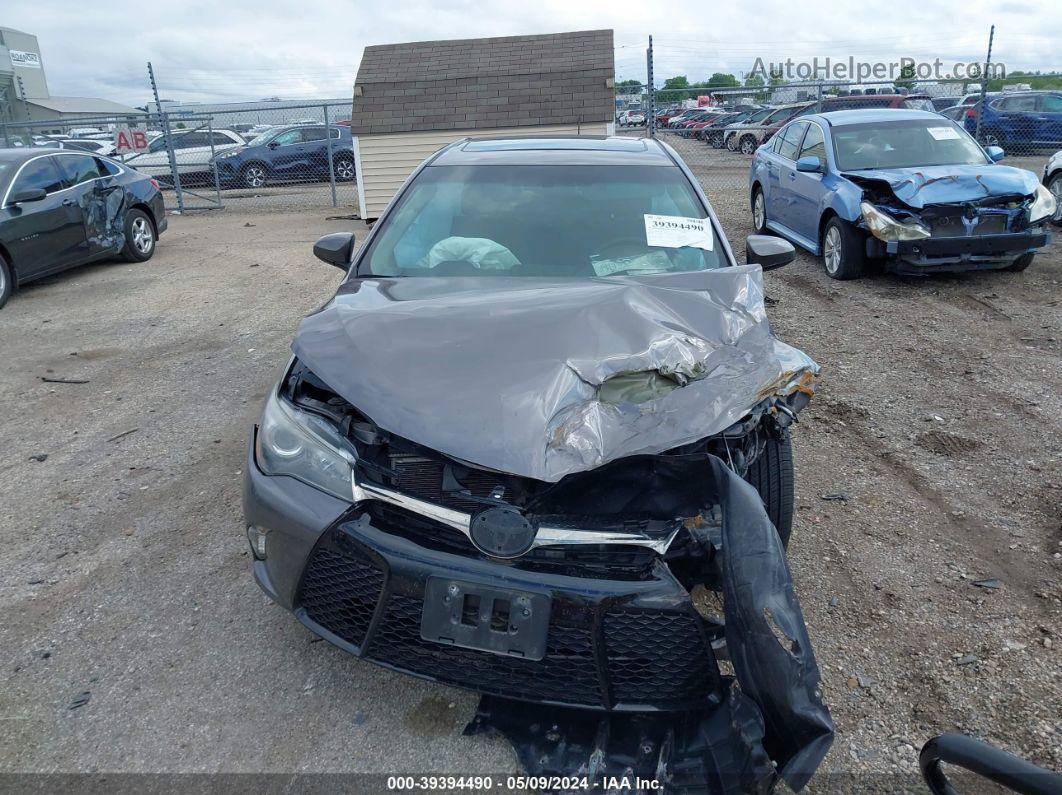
(906,188)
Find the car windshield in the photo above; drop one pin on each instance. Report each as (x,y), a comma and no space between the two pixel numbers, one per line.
(904,144)
(540,221)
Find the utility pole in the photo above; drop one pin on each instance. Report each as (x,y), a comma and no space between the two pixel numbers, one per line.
(651,121)
(984,84)
(164,119)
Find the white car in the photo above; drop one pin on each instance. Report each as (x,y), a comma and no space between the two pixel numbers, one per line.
(1053,181)
(631,118)
(94,145)
(192,150)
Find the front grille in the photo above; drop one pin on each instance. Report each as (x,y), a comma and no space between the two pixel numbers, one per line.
(340,593)
(651,658)
(953,226)
(423,477)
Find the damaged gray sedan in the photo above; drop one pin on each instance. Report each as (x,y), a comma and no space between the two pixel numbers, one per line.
(544,405)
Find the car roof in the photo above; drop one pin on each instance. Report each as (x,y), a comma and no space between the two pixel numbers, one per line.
(841,118)
(555,150)
(19,155)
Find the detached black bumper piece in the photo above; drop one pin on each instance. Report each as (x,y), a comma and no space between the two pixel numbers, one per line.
(977,252)
(607,644)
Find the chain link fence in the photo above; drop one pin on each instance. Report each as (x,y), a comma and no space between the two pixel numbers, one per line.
(298,155)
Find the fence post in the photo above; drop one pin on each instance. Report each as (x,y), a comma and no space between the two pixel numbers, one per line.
(164,118)
(331,162)
(818,100)
(7,138)
(651,121)
(214,161)
(984,86)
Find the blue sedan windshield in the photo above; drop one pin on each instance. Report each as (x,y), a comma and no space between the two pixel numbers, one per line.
(904,144)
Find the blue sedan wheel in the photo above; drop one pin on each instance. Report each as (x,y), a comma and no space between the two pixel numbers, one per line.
(843,250)
(759,212)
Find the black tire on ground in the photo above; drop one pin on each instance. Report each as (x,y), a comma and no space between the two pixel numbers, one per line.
(254,175)
(844,250)
(1022,262)
(7,281)
(344,168)
(992,137)
(748,145)
(139,236)
(759,212)
(1055,186)
(771,474)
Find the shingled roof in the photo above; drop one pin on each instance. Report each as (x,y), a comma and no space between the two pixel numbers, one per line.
(511,81)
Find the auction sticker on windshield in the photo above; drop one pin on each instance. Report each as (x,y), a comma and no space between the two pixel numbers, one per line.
(943,133)
(672,231)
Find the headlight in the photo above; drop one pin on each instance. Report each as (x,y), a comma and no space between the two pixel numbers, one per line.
(230,153)
(1043,205)
(884,227)
(299,444)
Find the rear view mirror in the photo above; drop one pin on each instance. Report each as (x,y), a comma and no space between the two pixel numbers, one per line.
(996,153)
(985,760)
(335,249)
(28,195)
(768,252)
(809,164)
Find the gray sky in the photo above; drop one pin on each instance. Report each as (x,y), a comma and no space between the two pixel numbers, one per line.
(228,51)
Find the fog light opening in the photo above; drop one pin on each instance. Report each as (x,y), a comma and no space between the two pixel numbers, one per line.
(257,537)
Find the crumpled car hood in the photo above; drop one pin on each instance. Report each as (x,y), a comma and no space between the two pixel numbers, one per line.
(924,185)
(505,373)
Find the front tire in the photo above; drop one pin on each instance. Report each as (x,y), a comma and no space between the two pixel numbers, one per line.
(748,145)
(731,143)
(139,236)
(843,250)
(1022,262)
(1055,186)
(992,137)
(759,211)
(771,474)
(7,281)
(254,175)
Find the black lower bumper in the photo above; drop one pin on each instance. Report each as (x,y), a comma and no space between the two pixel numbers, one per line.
(611,644)
(978,252)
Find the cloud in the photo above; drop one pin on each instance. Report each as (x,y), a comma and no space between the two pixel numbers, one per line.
(248,50)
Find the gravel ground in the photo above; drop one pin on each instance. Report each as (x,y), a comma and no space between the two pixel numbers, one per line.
(930,579)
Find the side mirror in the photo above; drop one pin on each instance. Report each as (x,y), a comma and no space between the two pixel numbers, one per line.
(335,249)
(768,252)
(809,165)
(273,144)
(996,153)
(28,195)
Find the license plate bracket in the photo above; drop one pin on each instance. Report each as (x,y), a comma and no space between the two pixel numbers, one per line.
(497,620)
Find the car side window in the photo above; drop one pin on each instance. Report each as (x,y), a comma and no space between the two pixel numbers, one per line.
(108,168)
(334,132)
(222,139)
(78,168)
(1049,103)
(814,144)
(288,138)
(39,173)
(313,133)
(789,140)
(1017,104)
(190,140)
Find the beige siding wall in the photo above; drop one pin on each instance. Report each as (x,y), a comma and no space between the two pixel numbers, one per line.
(385,161)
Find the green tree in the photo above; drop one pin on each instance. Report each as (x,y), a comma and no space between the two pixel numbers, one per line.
(907,75)
(628,86)
(722,80)
(754,81)
(678,81)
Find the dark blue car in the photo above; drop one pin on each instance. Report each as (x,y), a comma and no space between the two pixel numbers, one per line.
(1022,120)
(906,187)
(295,153)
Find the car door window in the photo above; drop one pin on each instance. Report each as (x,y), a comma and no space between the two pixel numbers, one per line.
(107,167)
(814,144)
(190,140)
(39,173)
(288,138)
(1017,104)
(78,168)
(221,139)
(1049,103)
(789,140)
(313,134)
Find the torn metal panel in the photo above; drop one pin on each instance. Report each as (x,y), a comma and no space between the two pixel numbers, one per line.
(949,184)
(773,723)
(522,370)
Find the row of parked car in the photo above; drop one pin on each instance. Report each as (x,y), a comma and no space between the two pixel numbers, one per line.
(1016,120)
(292,152)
